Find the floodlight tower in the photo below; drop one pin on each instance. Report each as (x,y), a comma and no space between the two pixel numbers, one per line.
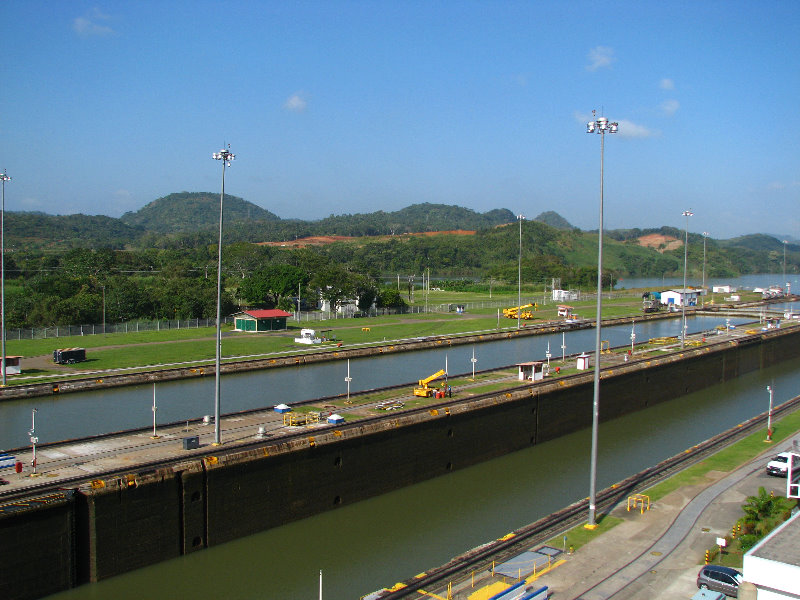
(520,218)
(705,237)
(4,178)
(784,272)
(687,214)
(600,126)
(225,156)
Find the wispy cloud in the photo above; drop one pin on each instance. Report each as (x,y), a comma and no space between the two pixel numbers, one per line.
(666,84)
(93,24)
(780,185)
(670,107)
(296,103)
(600,57)
(629,129)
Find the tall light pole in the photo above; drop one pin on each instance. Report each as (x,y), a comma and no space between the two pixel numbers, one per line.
(34,440)
(705,236)
(226,157)
(520,218)
(769,415)
(4,178)
(784,273)
(687,214)
(348,379)
(600,126)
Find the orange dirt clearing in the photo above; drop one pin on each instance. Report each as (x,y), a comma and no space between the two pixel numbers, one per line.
(321,240)
(659,242)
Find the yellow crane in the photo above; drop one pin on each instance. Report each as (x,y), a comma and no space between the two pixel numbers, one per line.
(524,313)
(423,390)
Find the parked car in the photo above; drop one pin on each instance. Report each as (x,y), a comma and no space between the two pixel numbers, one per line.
(779,465)
(719,579)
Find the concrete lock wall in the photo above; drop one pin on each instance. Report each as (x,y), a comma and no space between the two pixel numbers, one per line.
(38,551)
(120,524)
(130,522)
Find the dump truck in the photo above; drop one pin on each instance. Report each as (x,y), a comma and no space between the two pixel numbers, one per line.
(69,356)
(651,302)
(423,390)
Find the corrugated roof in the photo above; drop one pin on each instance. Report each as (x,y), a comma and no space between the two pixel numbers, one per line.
(269,313)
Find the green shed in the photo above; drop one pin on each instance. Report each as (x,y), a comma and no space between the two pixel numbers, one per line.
(261,320)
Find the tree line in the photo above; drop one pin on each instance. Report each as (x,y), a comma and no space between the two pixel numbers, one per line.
(175,278)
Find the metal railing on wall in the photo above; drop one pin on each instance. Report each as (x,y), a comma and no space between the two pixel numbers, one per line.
(55,331)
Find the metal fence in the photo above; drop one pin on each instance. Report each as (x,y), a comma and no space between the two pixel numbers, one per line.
(56,331)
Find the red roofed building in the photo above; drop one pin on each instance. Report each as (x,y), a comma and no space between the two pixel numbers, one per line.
(261,320)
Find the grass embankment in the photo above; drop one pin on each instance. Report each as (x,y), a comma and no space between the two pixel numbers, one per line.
(725,461)
(174,346)
(146,349)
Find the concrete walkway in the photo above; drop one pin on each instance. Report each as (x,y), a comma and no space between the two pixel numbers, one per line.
(657,555)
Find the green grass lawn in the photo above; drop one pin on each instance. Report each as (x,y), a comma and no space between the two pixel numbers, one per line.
(187,345)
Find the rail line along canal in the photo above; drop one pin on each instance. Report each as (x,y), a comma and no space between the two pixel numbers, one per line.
(139,501)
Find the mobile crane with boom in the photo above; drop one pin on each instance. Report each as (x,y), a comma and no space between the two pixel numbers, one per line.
(423,390)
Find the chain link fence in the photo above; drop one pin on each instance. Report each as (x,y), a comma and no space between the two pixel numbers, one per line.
(55,331)
(349,312)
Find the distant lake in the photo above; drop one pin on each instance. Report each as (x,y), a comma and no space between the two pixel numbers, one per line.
(745,282)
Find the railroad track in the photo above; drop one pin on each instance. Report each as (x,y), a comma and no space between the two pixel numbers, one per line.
(575,514)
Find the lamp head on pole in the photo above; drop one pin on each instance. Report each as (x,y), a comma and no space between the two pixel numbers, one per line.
(224,155)
(4,178)
(602,126)
(688,213)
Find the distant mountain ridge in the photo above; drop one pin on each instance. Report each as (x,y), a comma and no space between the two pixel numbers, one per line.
(554,219)
(194,211)
(190,219)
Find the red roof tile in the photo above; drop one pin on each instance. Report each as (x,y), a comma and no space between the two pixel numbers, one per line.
(271,313)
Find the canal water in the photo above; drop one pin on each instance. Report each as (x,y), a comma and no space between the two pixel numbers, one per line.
(375,543)
(84,414)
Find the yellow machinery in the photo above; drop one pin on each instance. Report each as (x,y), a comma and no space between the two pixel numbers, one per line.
(524,313)
(423,390)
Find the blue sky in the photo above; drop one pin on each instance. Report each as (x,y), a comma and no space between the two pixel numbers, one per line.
(336,107)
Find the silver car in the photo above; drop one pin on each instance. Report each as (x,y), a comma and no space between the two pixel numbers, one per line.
(720,579)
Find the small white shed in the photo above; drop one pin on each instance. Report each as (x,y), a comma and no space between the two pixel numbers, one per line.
(13,365)
(584,362)
(531,371)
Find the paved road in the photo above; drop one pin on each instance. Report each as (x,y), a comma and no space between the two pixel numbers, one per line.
(656,555)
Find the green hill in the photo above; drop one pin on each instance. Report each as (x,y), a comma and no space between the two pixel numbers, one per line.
(194,211)
(554,220)
(38,230)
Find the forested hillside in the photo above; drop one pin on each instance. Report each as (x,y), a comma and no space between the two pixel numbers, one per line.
(161,262)
(28,230)
(194,211)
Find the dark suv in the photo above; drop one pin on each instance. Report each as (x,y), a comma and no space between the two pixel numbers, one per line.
(720,579)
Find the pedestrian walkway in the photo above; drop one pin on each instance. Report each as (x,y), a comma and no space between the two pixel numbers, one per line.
(657,554)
